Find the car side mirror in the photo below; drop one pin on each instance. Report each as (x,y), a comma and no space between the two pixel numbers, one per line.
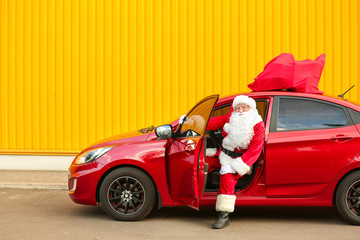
(164,131)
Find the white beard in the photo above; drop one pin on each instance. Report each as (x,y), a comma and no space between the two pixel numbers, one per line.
(240,129)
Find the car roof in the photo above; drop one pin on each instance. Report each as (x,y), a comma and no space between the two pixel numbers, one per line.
(293,94)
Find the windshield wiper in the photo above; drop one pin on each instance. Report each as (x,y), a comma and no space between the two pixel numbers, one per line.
(147,129)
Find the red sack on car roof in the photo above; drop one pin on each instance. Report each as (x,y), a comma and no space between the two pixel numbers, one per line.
(284,72)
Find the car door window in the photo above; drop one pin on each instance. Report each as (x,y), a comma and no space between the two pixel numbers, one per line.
(197,119)
(299,114)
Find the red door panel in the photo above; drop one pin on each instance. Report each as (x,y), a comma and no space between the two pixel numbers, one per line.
(303,163)
(183,170)
(185,155)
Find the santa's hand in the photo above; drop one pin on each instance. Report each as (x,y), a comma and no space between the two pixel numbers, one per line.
(211,152)
(182,119)
(226,127)
(226,169)
(240,167)
(250,171)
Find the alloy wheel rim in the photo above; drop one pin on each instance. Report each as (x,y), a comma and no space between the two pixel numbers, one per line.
(353,199)
(126,195)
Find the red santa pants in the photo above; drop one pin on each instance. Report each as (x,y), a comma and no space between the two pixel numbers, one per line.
(227,183)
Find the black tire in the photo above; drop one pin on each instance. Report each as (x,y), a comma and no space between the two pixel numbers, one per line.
(348,198)
(127,194)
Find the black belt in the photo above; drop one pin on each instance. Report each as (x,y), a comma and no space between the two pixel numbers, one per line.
(232,154)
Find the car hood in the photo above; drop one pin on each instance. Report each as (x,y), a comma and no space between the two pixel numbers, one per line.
(128,137)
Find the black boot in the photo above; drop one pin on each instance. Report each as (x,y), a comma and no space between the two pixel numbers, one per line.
(222,221)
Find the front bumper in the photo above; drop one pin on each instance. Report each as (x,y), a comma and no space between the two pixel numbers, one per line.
(83,181)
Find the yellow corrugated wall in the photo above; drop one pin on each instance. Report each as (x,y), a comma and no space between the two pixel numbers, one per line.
(73,72)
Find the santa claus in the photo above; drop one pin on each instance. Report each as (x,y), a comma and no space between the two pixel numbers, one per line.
(243,131)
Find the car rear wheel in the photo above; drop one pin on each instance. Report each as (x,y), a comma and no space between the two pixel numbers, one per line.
(127,194)
(348,198)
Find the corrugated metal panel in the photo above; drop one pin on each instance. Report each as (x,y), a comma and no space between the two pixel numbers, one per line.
(73,72)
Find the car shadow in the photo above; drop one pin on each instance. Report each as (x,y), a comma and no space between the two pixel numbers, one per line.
(207,214)
(86,212)
(319,215)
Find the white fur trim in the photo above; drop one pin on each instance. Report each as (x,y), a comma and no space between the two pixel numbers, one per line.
(225,159)
(244,99)
(226,127)
(240,167)
(225,169)
(225,203)
(211,152)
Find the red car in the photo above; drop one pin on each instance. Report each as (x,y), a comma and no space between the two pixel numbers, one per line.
(310,158)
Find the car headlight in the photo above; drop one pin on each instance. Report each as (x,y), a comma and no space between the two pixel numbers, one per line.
(87,157)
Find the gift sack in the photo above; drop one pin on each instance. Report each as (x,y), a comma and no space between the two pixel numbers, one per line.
(285,73)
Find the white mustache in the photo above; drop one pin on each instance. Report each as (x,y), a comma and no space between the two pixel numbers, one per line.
(238,114)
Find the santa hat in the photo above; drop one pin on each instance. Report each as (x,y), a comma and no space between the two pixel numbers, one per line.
(245,100)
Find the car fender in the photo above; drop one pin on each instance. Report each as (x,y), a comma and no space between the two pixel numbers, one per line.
(148,156)
(354,165)
(327,197)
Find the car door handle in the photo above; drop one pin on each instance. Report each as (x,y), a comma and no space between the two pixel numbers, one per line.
(341,138)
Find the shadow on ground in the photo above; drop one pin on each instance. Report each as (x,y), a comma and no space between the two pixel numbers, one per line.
(325,215)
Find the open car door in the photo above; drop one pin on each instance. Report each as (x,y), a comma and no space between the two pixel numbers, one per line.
(185,155)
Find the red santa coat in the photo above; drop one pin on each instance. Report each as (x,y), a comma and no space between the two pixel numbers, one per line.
(252,153)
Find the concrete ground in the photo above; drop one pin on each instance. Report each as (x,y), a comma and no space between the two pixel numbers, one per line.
(50,214)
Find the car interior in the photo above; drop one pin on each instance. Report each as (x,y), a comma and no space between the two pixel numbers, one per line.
(214,140)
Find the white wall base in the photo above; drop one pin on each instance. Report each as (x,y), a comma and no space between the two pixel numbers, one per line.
(38,162)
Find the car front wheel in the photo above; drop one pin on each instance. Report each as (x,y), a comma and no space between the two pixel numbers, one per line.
(348,198)
(127,194)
